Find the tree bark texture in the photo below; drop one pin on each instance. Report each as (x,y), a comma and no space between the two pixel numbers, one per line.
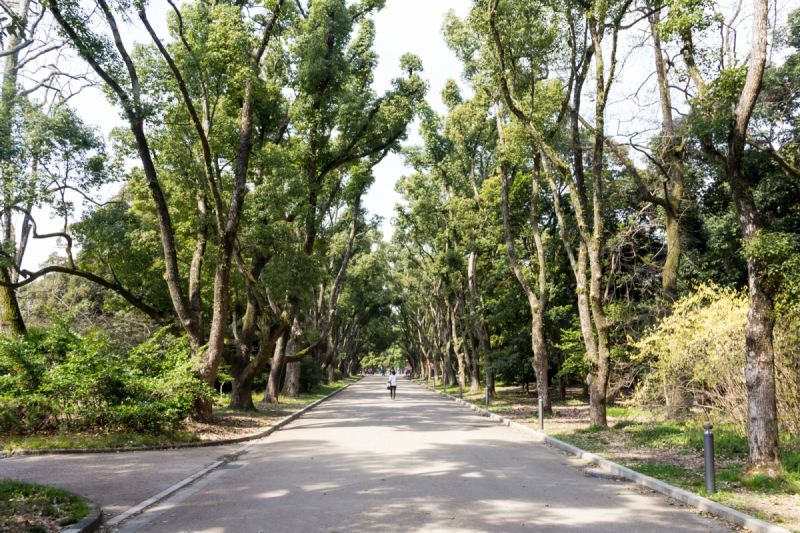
(291,385)
(762,431)
(272,394)
(11,321)
(536,303)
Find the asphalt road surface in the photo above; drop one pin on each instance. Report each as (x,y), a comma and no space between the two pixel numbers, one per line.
(364,463)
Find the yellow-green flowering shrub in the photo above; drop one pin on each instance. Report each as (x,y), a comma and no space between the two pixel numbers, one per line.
(698,354)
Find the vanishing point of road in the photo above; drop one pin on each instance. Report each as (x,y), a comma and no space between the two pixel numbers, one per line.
(361,462)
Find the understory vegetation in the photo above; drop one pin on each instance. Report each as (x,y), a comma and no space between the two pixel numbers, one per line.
(31,508)
(57,380)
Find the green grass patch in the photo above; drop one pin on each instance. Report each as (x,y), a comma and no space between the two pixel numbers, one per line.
(674,475)
(684,434)
(99,439)
(617,412)
(21,502)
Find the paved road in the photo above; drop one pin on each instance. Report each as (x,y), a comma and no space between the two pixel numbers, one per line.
(362,463)
(115,481)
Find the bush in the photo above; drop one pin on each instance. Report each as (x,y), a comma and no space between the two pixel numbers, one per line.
(310,374)
(337,375)
(56,378)
(698,353)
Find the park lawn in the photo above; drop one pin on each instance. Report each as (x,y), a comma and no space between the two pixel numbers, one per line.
(31,508)
(227,424)
(667,449)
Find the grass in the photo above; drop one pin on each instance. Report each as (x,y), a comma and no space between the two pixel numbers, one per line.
(686,437)
(264,416)
(32,508)
(94,439)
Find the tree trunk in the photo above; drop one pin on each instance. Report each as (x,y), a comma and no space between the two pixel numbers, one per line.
(536,303)
(762,430)
(242,395)
(448,372)
(480,324)
(291,385)
(242,385)
(475,371)
(540,363)
(669,275)
(12,322)
(601,369)
(462,367)
(271,395)
(209,359)
(673,157)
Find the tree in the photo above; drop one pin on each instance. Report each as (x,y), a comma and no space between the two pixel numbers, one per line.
(108,56)
(340,129)
(722,110)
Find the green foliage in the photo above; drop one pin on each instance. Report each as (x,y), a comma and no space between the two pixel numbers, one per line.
(576,360)
(57,378)
(712,111)
(698,354)
(310,375)
(687,17)
(780,252)
(337,375)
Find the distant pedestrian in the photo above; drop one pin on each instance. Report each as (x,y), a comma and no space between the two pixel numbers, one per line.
(393,384)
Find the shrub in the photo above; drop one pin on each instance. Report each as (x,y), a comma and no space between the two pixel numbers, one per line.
(310,375)
(56,378)
(337,375)
(698,353)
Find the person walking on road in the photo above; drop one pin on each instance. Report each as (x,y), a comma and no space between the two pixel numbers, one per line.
(393,384)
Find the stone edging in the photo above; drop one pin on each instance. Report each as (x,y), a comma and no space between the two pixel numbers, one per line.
(263,433)
(698,502)
(90,522)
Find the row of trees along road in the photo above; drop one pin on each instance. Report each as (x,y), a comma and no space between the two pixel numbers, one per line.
(524,193)
(606,157)
(253,131)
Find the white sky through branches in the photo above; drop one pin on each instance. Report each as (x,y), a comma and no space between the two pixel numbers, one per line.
(403,26)
(414,26)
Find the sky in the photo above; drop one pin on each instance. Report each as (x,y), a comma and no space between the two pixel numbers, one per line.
(414,26)
(403,26)
(410,26)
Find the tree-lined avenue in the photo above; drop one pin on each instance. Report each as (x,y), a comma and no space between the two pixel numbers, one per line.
(361,462)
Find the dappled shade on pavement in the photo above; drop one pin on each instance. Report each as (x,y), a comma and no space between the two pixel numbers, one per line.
(362,462)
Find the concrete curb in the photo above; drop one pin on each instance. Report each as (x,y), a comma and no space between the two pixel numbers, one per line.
(90,522)
(263,433)
(698,502)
